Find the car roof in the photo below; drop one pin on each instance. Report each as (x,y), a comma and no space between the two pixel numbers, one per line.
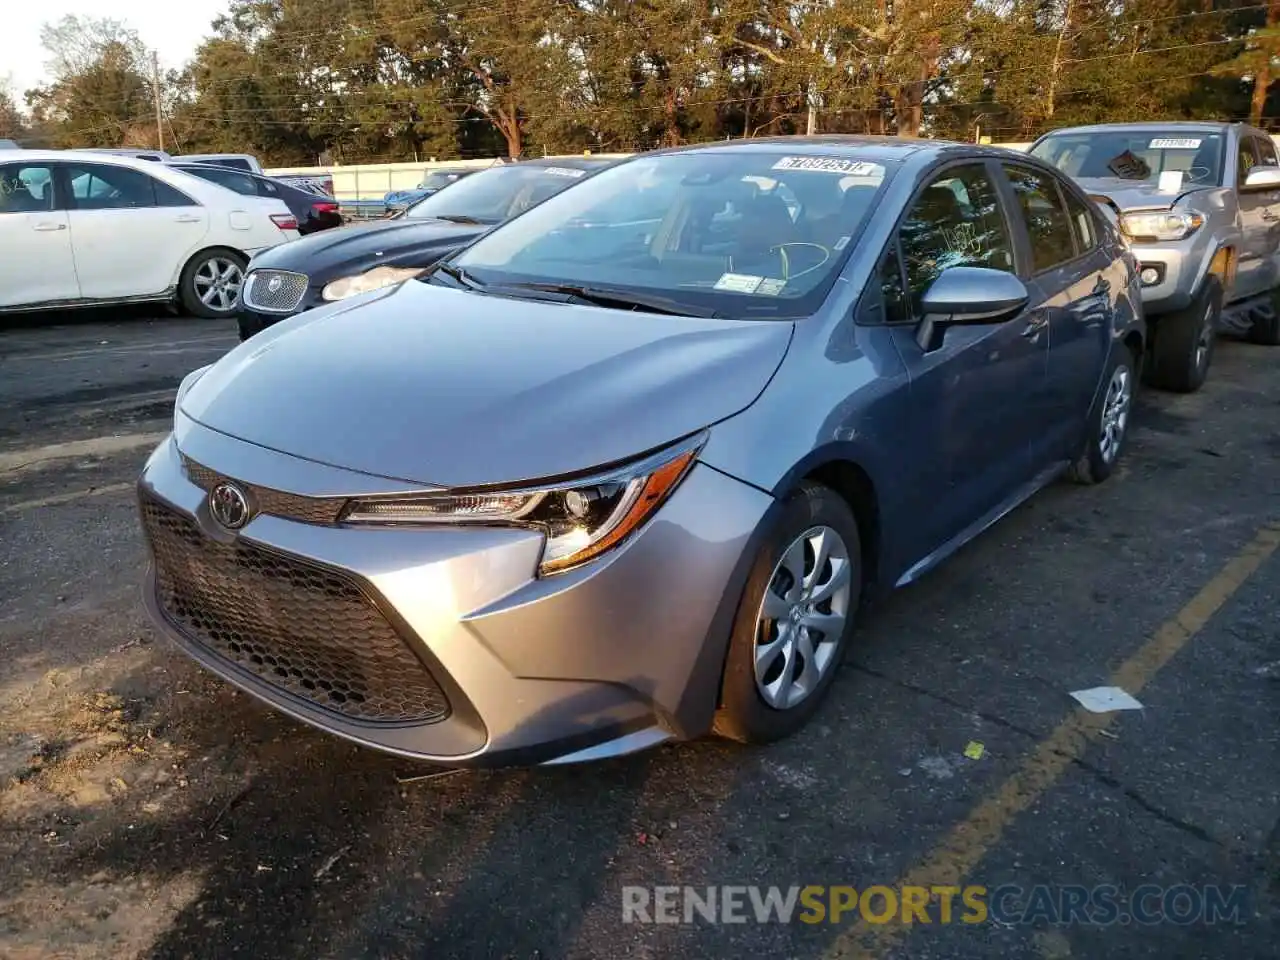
(825,145)
(1198,126)
(124,159)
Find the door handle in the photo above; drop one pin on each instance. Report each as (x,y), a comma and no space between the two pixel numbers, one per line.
(50,227)
(187,218)
(1034,326)
(1102,286)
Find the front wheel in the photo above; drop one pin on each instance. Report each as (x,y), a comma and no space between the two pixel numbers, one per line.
(1182,347)
(794,620)
(1108,426)
(211,282)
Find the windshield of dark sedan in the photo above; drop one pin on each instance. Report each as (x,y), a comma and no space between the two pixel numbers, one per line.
(493,195)
(437,179)
(737,231)
(1141,155)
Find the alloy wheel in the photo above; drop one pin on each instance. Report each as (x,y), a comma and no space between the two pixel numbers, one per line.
(1205,340)
(802,617)
(1115,413)
(218,281)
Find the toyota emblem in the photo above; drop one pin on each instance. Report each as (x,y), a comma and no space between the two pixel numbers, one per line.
(274,284)
(229,505)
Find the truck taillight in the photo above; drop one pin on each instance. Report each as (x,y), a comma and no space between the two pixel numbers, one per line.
(285,221)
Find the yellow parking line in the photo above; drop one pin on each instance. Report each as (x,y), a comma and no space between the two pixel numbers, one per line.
(960,852)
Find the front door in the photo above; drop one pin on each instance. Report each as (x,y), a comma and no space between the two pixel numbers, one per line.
(975,397)
(36,264)
(1258,222)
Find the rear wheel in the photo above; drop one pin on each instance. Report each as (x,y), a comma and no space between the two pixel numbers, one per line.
(1182,347)
(211,282)
(794,620)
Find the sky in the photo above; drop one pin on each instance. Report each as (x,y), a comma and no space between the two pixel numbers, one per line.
(173,28)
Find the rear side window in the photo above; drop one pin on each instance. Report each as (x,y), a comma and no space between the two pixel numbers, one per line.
(237,162)
(26,188)
(1049,227)
(1266,151)
(245,186)
(103,187)
(167,196)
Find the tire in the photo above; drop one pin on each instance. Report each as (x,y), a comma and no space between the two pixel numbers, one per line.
(206,270)
(1108,426)
(812,516)
(1267,332)
(247,327)
(1182,347)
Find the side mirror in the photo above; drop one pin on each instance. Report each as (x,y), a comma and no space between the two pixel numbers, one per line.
(968,295)
(1262,178)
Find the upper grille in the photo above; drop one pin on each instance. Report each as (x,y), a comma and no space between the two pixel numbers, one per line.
(275,503)
(286,296)
(300,627)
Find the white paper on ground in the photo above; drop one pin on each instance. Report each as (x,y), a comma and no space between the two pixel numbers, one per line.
(1170,181)
(1105,699)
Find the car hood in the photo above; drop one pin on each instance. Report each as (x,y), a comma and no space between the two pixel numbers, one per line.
(336,253)
(1127,195)
(438,386)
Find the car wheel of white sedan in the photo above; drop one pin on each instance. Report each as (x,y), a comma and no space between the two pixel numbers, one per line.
(211,283)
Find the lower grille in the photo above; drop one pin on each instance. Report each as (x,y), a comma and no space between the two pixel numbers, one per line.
(275,291)
(300,627)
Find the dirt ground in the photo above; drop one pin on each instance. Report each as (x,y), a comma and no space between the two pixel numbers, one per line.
(148,810)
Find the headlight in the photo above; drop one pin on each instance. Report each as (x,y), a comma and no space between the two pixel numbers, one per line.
(375,279)
(1152,227)
(581,518)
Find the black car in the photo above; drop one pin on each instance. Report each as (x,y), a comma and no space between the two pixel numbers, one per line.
(306,273)
(313,213)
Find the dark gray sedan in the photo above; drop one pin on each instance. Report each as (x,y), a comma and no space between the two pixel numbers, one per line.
(623,469)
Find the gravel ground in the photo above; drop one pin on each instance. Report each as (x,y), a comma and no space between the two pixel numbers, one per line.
(147,809)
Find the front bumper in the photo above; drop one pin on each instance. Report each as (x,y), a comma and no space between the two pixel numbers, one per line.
(615,656)
(252,321)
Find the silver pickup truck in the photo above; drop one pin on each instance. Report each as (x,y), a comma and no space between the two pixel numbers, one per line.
(1199,204)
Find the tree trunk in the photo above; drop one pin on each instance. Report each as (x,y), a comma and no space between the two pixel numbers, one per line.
(1262,78)
(671,135)
(908,105)
(509,126)
(1056,66)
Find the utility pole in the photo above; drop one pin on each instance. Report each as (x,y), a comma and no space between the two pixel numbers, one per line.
(812,126)
(155,92)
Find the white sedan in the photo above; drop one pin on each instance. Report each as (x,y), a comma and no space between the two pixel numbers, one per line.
(80,228)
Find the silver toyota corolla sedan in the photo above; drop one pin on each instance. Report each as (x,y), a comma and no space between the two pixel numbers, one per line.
(623,470)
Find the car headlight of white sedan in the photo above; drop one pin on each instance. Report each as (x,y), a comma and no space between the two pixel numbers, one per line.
(374,279)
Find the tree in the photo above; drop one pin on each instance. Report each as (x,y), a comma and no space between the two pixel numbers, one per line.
(12,124)
(1262,47)
(100,94)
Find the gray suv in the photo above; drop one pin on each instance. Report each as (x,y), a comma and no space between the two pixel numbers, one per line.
(1199,204)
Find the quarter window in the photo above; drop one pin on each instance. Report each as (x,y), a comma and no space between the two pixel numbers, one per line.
(1048,225)
(26,188)
(1082,221)
(897,309)
(954,222)
(1245,161)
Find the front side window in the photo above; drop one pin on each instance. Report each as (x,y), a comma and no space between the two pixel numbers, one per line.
(955,221)
(1147,155)
(1245,160)
(724,231)
(1048,224)
(103,187)
(26,188)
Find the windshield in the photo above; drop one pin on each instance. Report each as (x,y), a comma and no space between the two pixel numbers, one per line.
(436,180)
(739,232)
(1140,155)
(495,194)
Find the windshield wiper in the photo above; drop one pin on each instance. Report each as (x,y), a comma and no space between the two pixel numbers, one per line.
(458,274)
(460,218)
(601,297)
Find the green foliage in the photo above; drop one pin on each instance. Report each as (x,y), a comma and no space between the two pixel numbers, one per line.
(363,80)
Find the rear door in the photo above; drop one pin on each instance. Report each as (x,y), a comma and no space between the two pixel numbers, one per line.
(1268,273)
(130,232)
(976,398)
(1071,295)
(1256,206)
(35,238)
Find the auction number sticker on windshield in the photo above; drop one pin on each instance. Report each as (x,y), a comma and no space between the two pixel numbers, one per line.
(1174,143)
(771,287)
(738,282)
(840,165)
(563,171)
